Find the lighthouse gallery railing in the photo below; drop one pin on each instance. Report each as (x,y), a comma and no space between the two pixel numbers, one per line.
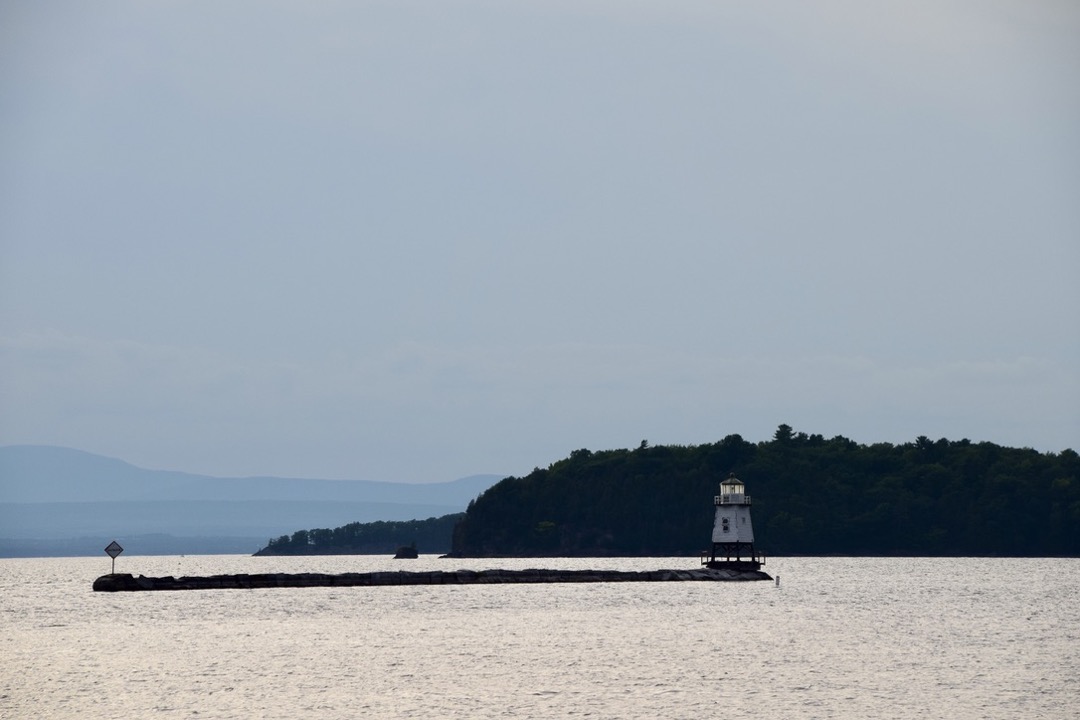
(733,498)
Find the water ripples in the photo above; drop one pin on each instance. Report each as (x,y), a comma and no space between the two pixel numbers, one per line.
(841,638)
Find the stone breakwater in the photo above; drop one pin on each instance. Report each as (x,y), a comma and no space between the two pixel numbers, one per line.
(129,583)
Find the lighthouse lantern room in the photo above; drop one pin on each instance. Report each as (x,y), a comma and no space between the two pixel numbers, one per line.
(733,532)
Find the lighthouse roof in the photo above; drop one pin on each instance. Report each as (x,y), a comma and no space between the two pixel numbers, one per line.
(732,480)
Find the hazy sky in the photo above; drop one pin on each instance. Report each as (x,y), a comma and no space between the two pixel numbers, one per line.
(418,240)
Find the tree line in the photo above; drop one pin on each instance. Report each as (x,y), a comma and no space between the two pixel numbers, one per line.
(374,538)
(810,495)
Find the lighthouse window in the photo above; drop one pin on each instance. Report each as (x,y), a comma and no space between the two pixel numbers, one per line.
(724,525)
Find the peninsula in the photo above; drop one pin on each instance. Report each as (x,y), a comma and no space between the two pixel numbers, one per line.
(812,496)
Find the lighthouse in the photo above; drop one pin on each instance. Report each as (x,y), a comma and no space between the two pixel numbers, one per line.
(733,533)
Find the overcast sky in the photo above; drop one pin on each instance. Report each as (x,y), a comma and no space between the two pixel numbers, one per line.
(414,241)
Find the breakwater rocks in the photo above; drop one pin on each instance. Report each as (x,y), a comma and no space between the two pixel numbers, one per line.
(128,583)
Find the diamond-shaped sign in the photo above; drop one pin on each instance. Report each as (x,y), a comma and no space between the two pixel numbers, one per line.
(114,549)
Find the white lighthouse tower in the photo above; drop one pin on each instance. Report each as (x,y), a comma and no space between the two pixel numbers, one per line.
(733,533)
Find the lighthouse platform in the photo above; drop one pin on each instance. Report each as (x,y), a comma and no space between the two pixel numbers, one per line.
(735,565)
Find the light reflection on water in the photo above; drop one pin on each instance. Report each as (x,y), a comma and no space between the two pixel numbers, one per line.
(840,637)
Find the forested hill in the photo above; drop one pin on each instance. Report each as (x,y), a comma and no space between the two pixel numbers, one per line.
(811,496)
(428,536)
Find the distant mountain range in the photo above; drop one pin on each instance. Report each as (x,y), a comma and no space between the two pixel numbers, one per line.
(60,501)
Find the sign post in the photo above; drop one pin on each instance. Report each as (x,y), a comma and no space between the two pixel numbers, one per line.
(113,550)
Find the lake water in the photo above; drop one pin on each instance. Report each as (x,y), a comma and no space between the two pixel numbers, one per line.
(839,638)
